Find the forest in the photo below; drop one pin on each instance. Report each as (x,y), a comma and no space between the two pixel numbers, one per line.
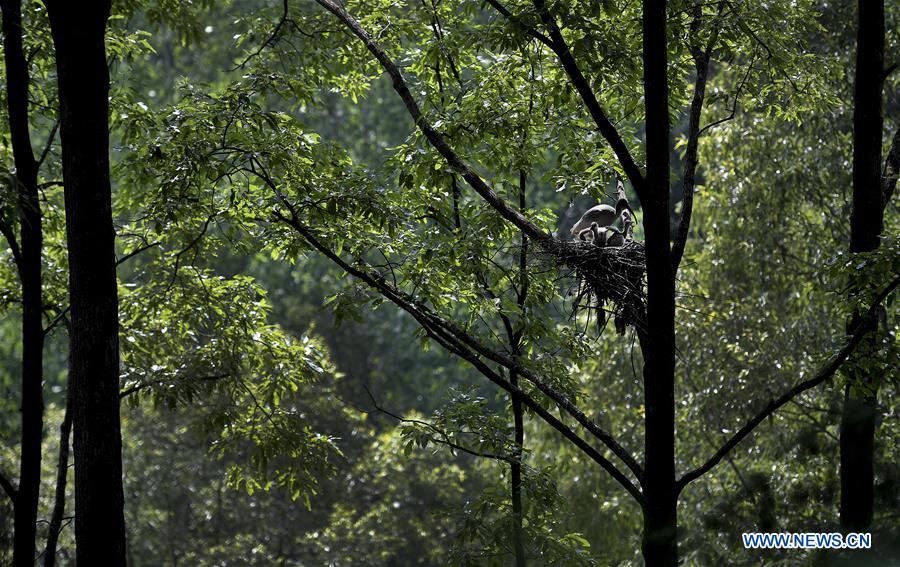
(449,282)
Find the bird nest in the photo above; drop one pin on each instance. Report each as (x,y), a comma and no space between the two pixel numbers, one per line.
(609,281)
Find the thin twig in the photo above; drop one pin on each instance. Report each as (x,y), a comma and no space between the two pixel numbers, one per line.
(270,40)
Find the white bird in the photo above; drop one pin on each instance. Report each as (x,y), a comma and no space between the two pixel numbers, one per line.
(603,215)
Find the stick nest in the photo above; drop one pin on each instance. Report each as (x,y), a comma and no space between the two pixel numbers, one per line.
(609,280)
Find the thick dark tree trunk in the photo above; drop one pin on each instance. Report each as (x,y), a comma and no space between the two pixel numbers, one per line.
(660,545)
(866,221)
(857,442)
(29,267)
(78,34)
(867,217)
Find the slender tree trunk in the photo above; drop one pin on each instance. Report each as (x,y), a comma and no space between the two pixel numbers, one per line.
(866,221)
(29,267)
(62,471)
(78,35)
(516,479)
(660,544)
(518,410)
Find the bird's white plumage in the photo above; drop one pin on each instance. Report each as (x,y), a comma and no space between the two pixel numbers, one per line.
(603,215)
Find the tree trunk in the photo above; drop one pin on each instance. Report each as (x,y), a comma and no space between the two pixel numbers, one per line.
(857,442)
(78,35)
(660,544)
(866,221)
(516,478)
(62,471)
(29,268)
(518,410)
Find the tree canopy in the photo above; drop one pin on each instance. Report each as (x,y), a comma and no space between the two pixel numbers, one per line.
(319,262)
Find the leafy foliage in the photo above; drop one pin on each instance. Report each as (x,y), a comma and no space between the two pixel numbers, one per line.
(236,122)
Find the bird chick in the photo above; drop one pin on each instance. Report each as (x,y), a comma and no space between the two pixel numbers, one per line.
(614,236)
(598,237)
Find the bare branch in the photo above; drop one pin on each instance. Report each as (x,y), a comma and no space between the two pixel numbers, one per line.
(826,372)
(137,251)
(60,317)
(889,71)
(737,96)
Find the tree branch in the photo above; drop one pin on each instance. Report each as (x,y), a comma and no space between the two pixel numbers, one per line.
(581,84)
(826,372)
(120,261)
(137,251)
(431,134)
(558,397)
(13,242)
(737,96)
(8,488)
(521,23)
(144,385)
(269,40)
(49,144)
(701,64)
(477,347)
(56,320)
